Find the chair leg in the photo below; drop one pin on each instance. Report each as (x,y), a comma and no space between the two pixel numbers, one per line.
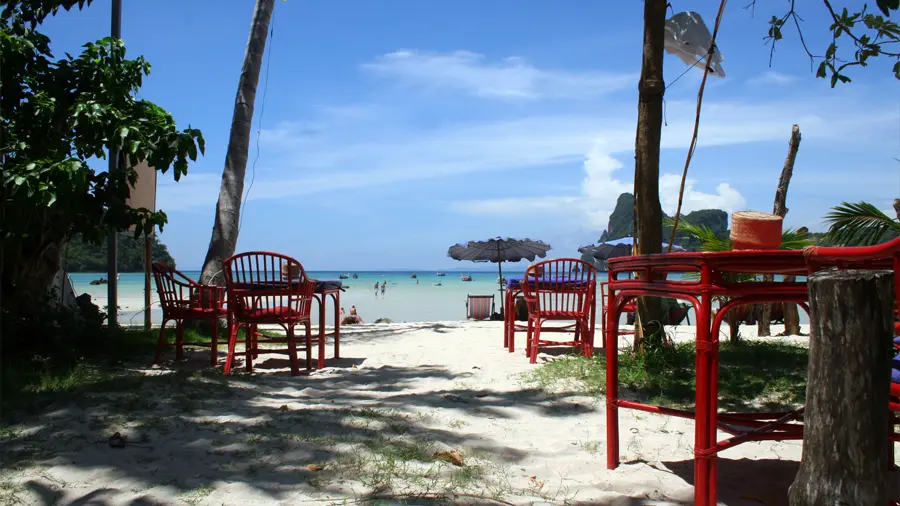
(232,342)
(292,351)
(535,340)
(528,334)
(309,347)
(250,346)
(179,339)
(586,341)
(214,344)
(161,342)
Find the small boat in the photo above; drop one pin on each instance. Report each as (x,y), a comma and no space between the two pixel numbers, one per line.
(501,280)
(438,284)
(414,276)
(441,274)
(466,277)
(355,276)
(344,276)
(101,281)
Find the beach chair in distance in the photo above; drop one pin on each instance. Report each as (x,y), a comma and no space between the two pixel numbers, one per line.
(268,289)
(479,307)
(556,291)
(182,298)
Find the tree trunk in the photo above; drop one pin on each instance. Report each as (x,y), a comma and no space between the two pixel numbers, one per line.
(781,209)
(897,207)
(791,314)
(845,441)
(228,208)
(649,131)
(734,326)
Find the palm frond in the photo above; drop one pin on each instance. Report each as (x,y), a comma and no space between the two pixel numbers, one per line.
(794,239)
(709,241)
(859,223)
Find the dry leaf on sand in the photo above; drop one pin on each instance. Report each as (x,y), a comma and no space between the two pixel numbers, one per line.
(314,467)
(454,457)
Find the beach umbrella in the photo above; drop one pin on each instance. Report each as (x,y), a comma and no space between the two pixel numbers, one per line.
(499,250)
(615,248)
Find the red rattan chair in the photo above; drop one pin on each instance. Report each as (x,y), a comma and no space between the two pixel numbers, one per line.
(555,291)
(182,299)
(268,288)
(479,307)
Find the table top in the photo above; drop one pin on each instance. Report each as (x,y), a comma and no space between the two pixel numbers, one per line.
(322,286)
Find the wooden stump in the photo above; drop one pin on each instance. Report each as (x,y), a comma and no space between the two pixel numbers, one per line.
(845,441)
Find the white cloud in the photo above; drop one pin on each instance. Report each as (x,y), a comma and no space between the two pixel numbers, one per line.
(600,190)
(509,78)
(770,77)
(368,150)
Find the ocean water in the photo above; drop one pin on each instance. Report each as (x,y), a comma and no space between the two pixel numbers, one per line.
(405,299)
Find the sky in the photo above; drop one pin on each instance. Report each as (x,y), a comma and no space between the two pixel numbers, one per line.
(385,132)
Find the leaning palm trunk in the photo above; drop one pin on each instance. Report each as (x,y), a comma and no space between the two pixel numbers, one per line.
(228,208)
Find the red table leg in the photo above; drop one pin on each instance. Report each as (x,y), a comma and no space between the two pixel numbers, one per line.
(611,346)
(337,323)
(321,359)
(704,449)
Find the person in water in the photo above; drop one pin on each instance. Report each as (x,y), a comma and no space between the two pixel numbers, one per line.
(383,286)
(353,318)
(376,288)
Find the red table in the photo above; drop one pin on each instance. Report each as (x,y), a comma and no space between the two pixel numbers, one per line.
(712,270)
(325,289)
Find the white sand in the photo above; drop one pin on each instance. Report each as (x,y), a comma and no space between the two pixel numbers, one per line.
(403,389)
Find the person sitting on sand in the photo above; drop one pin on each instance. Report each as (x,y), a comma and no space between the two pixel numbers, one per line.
(353,318)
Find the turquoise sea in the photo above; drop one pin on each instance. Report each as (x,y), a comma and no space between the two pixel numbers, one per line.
(428,297)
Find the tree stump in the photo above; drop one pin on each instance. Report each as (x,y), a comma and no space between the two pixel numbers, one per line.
(845,441)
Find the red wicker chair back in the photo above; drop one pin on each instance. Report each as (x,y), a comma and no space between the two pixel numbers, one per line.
(182,298)
(269,286)
(179,294)
(560,288)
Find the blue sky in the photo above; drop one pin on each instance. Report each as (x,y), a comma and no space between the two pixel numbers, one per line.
(394,129)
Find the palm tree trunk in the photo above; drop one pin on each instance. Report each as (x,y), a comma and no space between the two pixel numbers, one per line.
(649,131)
(228,208)
(780,208)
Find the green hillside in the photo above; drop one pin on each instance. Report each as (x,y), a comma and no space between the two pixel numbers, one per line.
(85,256)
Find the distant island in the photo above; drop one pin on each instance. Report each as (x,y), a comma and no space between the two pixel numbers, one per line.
(621,224)
(85,256)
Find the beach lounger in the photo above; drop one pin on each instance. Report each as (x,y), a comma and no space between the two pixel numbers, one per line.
(479,307)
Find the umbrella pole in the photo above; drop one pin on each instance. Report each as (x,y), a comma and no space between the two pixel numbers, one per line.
(500,277)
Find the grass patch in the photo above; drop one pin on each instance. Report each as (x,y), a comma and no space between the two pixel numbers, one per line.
(760,374)
(29,380)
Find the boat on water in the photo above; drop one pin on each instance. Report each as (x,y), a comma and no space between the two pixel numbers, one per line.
(344,276)
(441,273)
(501,280)
(465,277)
(102,281)
(414,276)
(355,276)
(438,284)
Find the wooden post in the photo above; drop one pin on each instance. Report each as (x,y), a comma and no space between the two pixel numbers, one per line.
(780,208)
(845,440)
(147,260)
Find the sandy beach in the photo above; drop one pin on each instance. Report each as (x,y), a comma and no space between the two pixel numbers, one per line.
(374,421)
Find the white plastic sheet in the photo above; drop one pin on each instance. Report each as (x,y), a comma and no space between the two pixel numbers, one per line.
(688,38)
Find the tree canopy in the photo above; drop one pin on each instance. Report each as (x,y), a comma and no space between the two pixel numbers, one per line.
(80,255)
(60,116)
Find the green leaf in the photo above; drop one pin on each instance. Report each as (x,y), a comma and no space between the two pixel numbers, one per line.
(897,70)
(886,6)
